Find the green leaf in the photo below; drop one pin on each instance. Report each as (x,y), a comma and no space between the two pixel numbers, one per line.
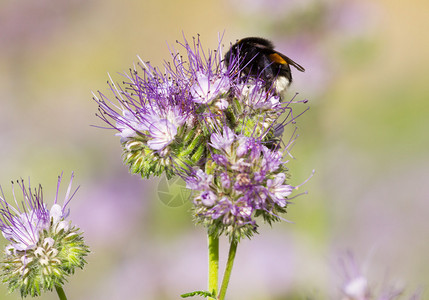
(204,294)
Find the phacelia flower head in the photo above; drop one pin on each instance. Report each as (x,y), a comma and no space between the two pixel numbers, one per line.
(161,115)
(44,247)
(244,180)
(165,118)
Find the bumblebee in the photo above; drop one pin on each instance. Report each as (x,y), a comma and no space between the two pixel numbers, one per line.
(257,58)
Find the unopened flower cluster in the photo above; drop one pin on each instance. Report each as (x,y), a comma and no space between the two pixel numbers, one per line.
(220,132)
(44,247)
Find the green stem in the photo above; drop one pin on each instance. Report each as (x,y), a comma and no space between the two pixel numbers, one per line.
(60,292)
(213,263)
(228,269)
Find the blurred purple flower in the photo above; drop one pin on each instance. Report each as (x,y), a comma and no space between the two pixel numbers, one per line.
(356,285)
(23,225)
(44,248)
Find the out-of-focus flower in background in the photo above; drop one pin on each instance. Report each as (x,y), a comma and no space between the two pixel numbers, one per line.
(44,247)
(357,286)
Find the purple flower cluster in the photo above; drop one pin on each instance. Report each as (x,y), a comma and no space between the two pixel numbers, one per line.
(242,180)
(157,114)
(219,131)
(22,226)
(44,247)
(164,119)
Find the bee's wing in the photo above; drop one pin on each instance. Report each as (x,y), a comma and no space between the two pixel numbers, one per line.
(290,62)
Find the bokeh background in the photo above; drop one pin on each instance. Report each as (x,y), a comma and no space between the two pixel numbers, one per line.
(366,135)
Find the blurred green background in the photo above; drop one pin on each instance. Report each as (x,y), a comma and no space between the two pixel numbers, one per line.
(366,79)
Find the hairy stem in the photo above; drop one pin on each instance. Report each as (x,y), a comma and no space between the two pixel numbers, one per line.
(60,292)
(228,269)
(213,263)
